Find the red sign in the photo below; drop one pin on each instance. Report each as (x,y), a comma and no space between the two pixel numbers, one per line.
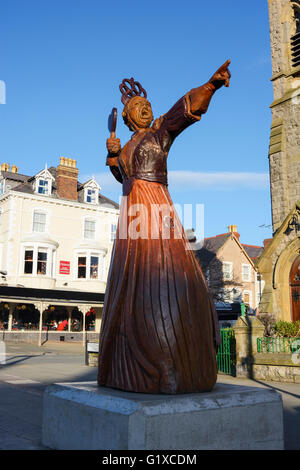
(64,267)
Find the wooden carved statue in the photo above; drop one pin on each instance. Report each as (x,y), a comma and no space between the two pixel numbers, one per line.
(159,331)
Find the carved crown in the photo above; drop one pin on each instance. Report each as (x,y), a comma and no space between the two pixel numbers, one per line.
(129,88)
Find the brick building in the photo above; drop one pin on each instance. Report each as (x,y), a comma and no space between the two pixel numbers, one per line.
(229,268)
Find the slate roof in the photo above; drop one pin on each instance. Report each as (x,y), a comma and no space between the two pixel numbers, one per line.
(14,176)
(213,244)
(253,251)
(23,184)
(24,188)
(210,247)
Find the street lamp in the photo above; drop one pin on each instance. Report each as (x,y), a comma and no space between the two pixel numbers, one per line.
(293,225)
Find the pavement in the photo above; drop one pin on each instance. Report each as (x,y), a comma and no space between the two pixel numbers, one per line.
(27,369)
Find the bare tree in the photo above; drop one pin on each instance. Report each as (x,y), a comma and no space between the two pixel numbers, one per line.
(218,283)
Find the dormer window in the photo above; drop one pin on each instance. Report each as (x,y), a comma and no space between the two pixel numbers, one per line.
(43,186)
(91,191)
(43,182)
(91,196)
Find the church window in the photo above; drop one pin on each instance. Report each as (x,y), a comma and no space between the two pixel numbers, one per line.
(295,39)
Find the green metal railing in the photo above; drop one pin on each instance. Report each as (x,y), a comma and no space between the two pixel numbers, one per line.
(226,352)
(277,345)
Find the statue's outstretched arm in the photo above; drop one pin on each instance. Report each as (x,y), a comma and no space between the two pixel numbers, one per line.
(199,98)
(189,108)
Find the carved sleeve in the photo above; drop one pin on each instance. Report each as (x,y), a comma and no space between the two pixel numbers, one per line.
(199,98)
(185,112)
(112,162)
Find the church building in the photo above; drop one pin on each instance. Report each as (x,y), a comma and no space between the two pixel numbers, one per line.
(279,264)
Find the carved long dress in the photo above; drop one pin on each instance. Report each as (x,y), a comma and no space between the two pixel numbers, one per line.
(159,328)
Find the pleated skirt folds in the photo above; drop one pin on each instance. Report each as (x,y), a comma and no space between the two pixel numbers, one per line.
(157,331)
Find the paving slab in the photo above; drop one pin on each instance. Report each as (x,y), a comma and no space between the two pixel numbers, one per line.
(65,363)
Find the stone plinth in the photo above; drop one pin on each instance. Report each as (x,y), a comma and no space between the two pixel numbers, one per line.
(85,416)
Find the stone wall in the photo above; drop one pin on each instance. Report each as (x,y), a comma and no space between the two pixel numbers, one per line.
(34,336)
(278,367)
(284,156)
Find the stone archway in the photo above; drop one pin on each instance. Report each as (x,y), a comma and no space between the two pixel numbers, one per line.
(295,289)
(282,260)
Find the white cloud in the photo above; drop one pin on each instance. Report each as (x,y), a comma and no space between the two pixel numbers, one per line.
(184,180)
(189,180)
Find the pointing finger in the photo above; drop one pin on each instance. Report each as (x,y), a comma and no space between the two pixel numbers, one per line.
(225,65)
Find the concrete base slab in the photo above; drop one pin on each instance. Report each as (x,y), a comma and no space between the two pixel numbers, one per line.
(84,416)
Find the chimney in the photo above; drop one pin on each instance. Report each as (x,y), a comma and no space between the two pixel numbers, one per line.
(14,169)
(4,166)
(67,175)
(267,241)
(233,229)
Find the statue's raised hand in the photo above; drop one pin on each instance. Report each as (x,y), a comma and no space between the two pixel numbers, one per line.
(221,76)
(113,146)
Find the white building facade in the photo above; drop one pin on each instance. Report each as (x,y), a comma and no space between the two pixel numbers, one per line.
(55,233)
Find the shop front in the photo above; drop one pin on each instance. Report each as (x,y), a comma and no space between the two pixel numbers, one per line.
(39,315)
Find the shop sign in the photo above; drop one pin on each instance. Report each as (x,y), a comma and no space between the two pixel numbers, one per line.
(64,267)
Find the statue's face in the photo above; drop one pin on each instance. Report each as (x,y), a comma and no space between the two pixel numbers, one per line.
(139,113)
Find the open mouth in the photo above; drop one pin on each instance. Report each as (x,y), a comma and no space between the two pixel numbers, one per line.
(145,113)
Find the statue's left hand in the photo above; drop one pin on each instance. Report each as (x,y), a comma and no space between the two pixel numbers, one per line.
(222,76)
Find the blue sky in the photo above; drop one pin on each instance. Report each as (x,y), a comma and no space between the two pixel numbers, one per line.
(62,63)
